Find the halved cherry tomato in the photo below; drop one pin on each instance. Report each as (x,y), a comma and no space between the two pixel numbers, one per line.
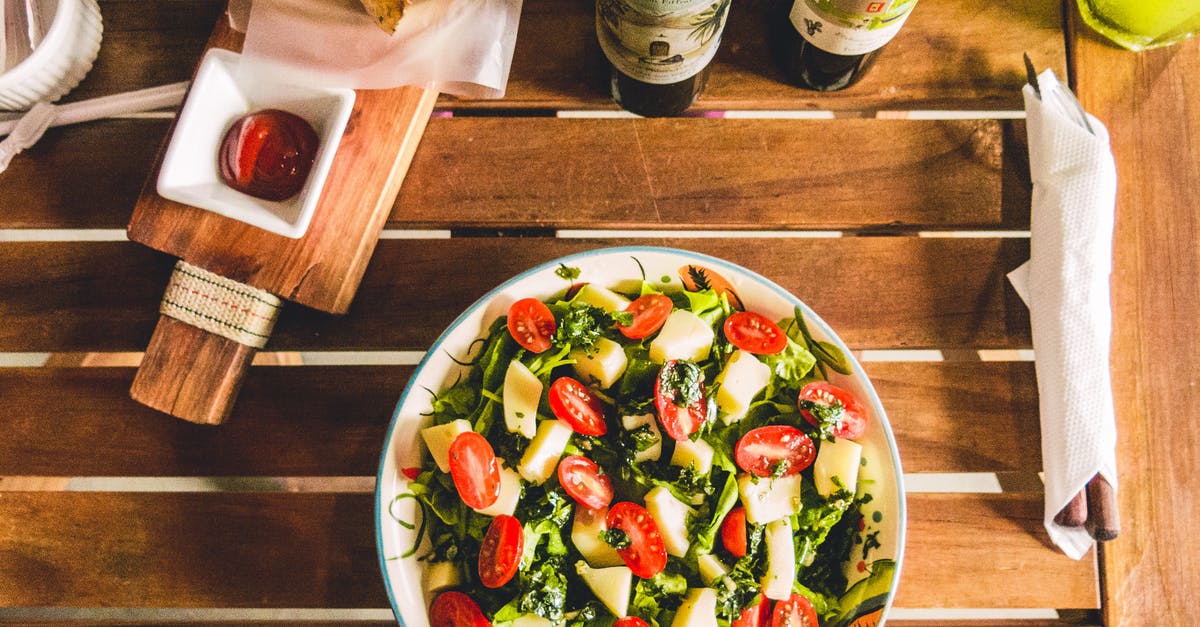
(796,611)
(646,554)
(474,470)
(733,531)
(755,333)
(761,451)
(531,324)
(757,615)
(631,621)
(582,479)
(412,472)
(853,420)
(649,311)
(678,422)
(500,552)
(455,609)
(572,403)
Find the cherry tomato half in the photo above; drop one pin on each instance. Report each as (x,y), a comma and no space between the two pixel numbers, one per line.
(455,609)
(531,324)
(853,421)
(757,615)
(474,470)
(796,611)
(755,333)
(631,621)
(678,422)
(649,311)
(584,481)
(500,552)
(572,403)
(733,531)
(646,554)
(761,451)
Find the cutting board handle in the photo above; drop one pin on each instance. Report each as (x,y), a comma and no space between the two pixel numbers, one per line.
(190,373)
(210,328)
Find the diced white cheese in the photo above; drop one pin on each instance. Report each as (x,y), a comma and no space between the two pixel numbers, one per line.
(510,493)
(683,336)
(699,609)
(438,439)
(654,451)
(531,620)
(611,585)
(442,575)
(522,393)
(697,455)
(601,297)
(671,516)
(712,570)
(744,376)
(781,561)
(603,365)
(585,535)
(767,499)
(839,458)
(541,456)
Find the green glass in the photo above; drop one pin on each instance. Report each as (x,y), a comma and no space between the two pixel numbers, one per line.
(1142,24)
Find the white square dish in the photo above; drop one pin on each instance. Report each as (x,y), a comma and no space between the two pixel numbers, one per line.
(224,90)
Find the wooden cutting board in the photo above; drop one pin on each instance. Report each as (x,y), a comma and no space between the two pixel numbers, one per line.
(195,375)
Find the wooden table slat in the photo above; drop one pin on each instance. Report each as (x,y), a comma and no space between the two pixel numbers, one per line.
(908,292)
(691,173)
(77,549)
(948,417)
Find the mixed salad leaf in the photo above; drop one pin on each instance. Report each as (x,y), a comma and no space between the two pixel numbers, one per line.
(724,461)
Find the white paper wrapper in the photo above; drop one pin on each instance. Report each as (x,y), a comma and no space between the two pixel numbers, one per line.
(1066,285)
(460,47)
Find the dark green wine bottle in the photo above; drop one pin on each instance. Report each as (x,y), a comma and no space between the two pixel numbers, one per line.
(827,45)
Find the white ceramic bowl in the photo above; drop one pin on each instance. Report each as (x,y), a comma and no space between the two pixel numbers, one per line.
(884,515)
(224,90)
(60,61)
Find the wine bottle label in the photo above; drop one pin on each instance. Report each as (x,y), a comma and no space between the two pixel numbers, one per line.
(850,27)
(660,41)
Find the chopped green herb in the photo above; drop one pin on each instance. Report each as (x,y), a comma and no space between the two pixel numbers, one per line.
(567,272)
(615,538)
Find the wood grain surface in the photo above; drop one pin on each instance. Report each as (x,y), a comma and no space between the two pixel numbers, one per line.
(908,292)
(758,174)
(1147,100)
(253,550)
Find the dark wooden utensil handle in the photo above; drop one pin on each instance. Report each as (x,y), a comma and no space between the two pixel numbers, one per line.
(1103,520)
(1075,513)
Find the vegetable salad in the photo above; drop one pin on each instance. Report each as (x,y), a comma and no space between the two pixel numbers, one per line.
(660,458)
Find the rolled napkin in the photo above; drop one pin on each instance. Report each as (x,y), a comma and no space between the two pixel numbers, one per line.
(460,47)
(1065,283)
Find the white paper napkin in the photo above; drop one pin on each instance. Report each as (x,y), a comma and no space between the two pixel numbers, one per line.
(1065,283)
(460,47)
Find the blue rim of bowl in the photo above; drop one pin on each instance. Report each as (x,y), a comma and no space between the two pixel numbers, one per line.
(810,316)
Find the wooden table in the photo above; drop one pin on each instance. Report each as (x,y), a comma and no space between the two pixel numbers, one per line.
(896,220)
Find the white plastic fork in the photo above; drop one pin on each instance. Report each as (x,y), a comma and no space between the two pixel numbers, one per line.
(26,133)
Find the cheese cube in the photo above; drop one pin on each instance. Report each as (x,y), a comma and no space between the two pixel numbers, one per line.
(699,609)
(683,336)
(510,493)
(603,365)
(671,516)
(712,570)
(767,500)
(541,456)
(611,585)
(697,455)
(654,451)
(585,535)
(744,376)
(781,561)
(522,393)
(438,439)
(442,575)
(531,620)
(601,297)
(839,458)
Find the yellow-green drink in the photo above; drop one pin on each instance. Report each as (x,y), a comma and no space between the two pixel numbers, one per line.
(1142,24)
